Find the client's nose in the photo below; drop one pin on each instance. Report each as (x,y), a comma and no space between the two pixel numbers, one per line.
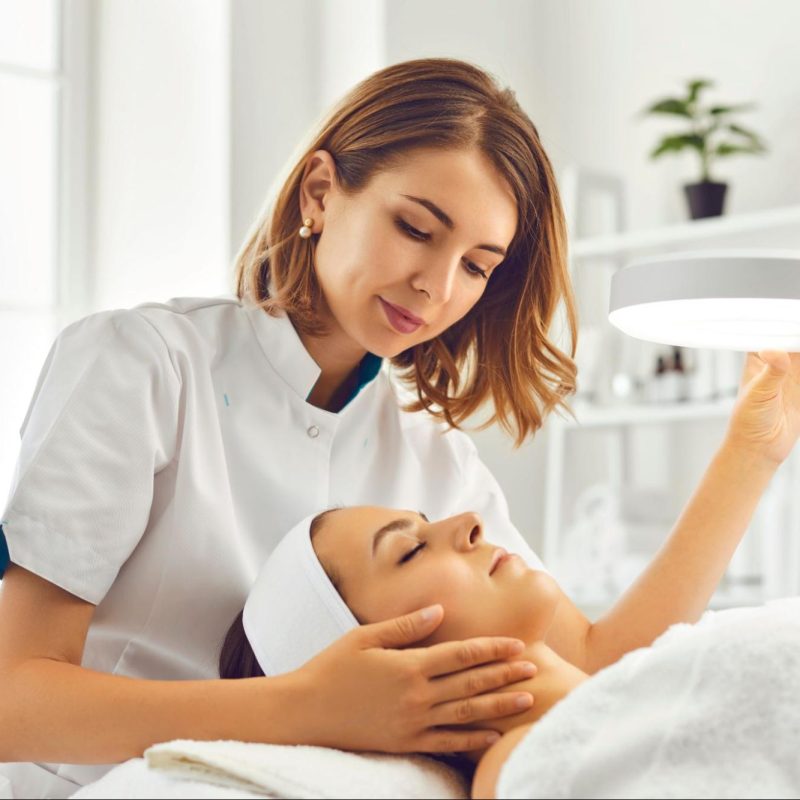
(469,531)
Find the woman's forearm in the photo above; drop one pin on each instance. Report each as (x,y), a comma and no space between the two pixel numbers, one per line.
(58,712)
(681,579)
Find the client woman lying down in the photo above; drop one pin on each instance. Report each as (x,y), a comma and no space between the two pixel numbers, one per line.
(353,566)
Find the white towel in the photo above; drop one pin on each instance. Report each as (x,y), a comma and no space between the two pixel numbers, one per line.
(710,710)
(134,780)
(303,771)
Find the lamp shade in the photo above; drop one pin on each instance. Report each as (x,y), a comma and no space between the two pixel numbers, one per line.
(731,300)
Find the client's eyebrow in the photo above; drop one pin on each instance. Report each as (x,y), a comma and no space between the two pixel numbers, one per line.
(401,524)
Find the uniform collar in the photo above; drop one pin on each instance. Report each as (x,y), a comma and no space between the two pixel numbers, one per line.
(288,356)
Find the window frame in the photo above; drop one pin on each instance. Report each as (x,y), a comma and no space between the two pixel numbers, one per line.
(71,268)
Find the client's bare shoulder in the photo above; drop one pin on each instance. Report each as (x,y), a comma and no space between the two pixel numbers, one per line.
(484,781)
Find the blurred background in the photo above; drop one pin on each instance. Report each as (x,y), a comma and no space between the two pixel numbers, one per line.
(140,138)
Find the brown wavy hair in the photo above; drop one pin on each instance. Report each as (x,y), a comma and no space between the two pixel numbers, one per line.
(500,349)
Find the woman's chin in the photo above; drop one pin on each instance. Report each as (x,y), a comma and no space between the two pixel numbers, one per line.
(532,599)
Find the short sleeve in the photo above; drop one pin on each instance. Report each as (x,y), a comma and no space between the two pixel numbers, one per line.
(482,493)
(102,422)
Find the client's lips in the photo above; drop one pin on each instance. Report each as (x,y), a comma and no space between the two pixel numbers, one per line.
(498,554)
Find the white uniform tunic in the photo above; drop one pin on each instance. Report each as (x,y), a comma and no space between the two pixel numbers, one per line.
(166,450)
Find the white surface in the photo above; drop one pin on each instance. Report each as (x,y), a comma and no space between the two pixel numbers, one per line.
(32,334)
(745,300)
(303,771)
(161,150)
(783,220)
(134,779)
(43,194)
(275,97)
(29,34)
(185,768)
(29,139)
(710,710)
(589,415)
(362,25)
(744,324)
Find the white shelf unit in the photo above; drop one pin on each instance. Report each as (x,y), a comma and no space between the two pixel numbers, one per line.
(768,229)
(714,231)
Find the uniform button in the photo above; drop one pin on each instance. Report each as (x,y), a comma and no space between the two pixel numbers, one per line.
(313,431)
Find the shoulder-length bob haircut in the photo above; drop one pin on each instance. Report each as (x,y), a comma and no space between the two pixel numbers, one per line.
(500,348)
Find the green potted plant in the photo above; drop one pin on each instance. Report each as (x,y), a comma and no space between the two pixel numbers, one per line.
(712,135)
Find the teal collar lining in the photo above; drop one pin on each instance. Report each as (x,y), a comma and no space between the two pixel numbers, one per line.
(369,367)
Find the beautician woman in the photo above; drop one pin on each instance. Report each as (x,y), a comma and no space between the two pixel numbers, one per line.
(168,446)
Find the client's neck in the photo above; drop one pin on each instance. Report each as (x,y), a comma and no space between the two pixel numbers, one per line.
(555,679)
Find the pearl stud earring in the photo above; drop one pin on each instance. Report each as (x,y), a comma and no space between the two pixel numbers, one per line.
(305,231)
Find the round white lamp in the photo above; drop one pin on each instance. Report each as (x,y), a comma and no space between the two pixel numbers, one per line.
(724,300)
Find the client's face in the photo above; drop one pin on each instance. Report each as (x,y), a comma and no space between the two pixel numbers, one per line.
(389,562)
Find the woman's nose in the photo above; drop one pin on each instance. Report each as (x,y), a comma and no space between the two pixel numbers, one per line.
(437,280)
(469,531)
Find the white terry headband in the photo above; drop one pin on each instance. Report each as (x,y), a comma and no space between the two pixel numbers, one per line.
(293,610)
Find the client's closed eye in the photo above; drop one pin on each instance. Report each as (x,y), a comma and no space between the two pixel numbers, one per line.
(408,556)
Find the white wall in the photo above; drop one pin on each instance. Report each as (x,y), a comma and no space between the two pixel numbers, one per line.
(161,190)
(275,67)
(353,44)
(290,63)
(606,60)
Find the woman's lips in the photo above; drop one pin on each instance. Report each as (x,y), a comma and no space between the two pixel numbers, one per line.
(497,557)
(398,320)
(500,557)
(505,559)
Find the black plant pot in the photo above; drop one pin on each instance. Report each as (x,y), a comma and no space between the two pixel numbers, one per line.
(706,199)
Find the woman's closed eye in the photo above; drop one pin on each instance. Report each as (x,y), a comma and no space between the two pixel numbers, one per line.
(411,553)
(473,269)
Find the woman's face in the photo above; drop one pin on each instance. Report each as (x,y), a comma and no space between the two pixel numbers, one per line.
(381,245)
(390,562)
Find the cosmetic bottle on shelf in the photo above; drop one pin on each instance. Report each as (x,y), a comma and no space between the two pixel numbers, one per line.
(653,389)
(681,377)
(666,380)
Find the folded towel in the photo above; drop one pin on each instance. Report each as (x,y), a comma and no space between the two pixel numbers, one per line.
(709,710)
(304,771)
(134,780)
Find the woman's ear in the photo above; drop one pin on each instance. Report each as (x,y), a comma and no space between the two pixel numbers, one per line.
(316,185)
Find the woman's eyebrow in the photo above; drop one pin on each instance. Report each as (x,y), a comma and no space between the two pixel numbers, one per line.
(449,224)
(400,524)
